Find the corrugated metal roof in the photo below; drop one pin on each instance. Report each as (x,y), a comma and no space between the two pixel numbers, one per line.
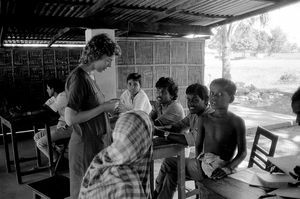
(43,21)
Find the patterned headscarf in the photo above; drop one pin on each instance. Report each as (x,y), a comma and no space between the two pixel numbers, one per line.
(122,170)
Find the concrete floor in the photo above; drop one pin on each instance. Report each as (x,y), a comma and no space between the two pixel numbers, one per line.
(289,143)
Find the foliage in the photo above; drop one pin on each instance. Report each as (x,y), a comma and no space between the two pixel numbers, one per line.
(278,40)
(288,77)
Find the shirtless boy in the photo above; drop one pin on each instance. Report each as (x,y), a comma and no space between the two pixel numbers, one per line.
(220,134)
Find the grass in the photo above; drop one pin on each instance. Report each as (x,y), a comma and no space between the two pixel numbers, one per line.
(265,74)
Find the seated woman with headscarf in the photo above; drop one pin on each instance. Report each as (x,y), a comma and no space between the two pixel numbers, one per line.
(121,170)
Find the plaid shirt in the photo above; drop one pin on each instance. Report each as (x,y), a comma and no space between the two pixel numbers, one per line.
(122,170)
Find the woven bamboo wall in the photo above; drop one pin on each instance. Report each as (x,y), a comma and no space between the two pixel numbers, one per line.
(181,59)
(23,72)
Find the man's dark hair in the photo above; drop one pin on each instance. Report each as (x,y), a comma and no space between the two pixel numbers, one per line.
(296,96)
(135,77)
(169,84)
(198,89)
(227,84)
(56,84)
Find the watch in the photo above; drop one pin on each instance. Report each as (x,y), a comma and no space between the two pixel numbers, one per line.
(166,134)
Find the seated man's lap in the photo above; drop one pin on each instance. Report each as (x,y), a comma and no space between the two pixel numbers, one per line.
(193,169)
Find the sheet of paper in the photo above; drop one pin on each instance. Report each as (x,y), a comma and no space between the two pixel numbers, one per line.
(286,163)
(269,180)
(246,175)
(290,192)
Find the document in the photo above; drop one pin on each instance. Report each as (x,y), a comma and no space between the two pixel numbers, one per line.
(286,163)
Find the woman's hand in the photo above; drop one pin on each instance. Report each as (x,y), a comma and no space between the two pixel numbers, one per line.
(121,108)
(110,105)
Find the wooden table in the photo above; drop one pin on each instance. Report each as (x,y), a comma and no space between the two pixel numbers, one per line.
(164,149)
(231,188)
(13,124)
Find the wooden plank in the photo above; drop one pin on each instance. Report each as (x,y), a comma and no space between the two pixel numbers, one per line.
(2,35)
(105,22)
(100,4)
(58,35)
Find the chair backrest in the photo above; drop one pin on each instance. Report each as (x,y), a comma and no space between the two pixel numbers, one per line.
(259,154)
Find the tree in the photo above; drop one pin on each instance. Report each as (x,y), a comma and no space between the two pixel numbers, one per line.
(226,33)
(263,41)
(278,40)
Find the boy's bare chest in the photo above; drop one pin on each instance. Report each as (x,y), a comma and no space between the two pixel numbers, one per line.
(219,131)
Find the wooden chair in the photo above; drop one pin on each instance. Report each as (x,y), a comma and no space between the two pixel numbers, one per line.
(258,154)
(62,144)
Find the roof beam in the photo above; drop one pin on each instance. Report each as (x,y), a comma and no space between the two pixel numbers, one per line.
(2,35)
(93,23)
(180,7)
(159,11)
(58,35)
(101,4)
(279,4)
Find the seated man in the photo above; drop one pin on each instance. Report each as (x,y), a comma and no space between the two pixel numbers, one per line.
(167,110)
(122,170)
(217,135)
(57,103)
(134,98)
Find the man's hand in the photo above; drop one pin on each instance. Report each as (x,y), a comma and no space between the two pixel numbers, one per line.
(220,173)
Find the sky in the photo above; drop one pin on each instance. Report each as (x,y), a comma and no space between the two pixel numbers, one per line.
(288,19)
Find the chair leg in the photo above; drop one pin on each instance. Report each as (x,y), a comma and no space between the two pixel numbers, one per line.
(197,187)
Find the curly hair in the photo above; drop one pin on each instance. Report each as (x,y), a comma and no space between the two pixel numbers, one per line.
(98,46)
(169,84)
(296,96)
(227,84)
(198,89)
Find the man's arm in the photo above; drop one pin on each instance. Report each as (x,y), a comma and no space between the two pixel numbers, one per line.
(241,143)
(199,139)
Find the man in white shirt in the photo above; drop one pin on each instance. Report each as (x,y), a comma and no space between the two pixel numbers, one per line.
(57,103)
(134,98)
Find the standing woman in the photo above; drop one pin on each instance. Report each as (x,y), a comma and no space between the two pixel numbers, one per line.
(86,109)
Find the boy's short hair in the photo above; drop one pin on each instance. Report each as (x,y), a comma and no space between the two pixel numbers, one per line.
(296,96)
(135,77)
(98,46)
(169,84)
(227,84)
(198,89)
(56,84)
